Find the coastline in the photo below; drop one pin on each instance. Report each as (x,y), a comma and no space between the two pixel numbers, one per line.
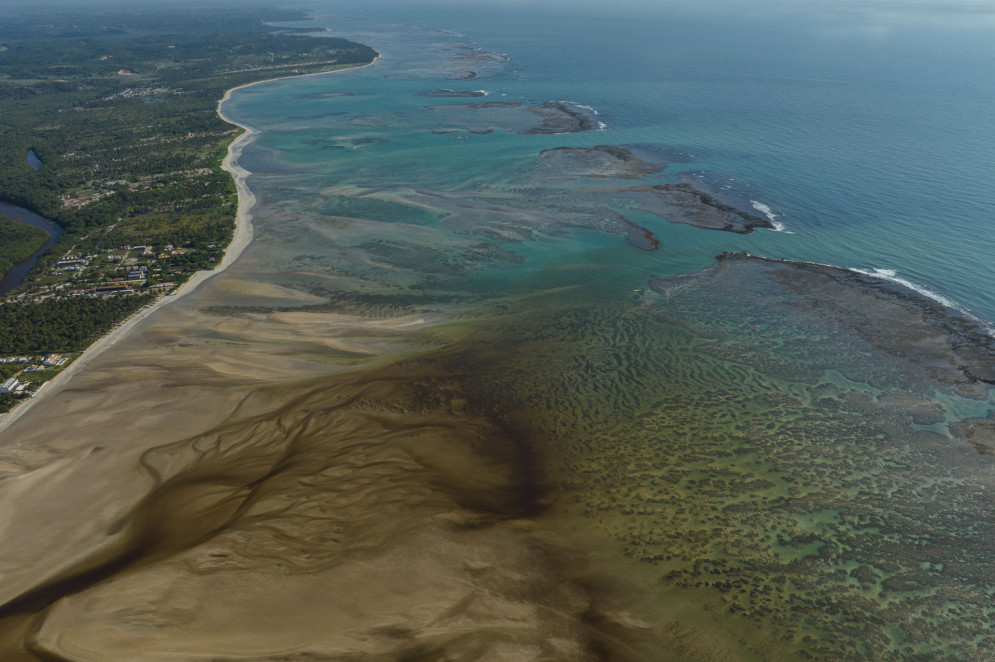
(241,239)
(754,462)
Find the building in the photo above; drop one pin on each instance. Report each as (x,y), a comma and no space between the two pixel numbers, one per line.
(113,289)
(12,386)
(53,360)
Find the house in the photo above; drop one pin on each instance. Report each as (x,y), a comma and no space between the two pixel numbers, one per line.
(53,360)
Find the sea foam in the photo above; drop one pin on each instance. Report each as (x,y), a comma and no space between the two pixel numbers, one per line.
(892,275)
(769,213)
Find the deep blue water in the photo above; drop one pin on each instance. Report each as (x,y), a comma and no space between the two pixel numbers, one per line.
(869,134)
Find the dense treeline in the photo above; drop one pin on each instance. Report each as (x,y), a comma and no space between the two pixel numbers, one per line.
(18,242)
(62,325)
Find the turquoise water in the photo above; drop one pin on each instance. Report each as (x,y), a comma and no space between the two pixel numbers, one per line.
(776,447)
(868,136)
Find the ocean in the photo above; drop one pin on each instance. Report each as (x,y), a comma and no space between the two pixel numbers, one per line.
(776,454)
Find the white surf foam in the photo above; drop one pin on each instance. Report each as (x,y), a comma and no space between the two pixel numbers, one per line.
(590,109)
(892,275)
(769,213)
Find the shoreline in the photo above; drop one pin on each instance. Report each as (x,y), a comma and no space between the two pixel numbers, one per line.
(241,239)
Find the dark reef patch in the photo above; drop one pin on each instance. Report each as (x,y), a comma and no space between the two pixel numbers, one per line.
(640,237)
(524,118)
(680,202)
(560,117)
(956,349)
(981,435)
(602,161)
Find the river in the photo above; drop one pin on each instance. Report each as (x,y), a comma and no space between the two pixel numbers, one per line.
(16,275)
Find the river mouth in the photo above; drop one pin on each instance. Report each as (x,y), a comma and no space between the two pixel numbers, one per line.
(19,271)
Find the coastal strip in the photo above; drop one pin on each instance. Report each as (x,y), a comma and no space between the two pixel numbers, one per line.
(241,239)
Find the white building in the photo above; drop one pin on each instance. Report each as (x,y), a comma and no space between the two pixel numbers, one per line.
(11,386)
(53,360)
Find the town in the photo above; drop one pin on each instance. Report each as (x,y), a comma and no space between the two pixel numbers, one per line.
(122,270)
(24,376)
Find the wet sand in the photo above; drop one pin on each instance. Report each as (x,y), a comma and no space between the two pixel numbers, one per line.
(230,486)
(202,486)
(208,488)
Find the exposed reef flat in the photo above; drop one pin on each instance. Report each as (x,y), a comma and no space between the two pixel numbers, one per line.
(681,202)
(957,350)
(639,236)
(603,161)
(474,57)
(678,202)
(551,117)
(561,117)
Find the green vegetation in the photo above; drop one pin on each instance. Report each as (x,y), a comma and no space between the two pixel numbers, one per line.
(61,324)
(18,242)
(120,106)
(8,401)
